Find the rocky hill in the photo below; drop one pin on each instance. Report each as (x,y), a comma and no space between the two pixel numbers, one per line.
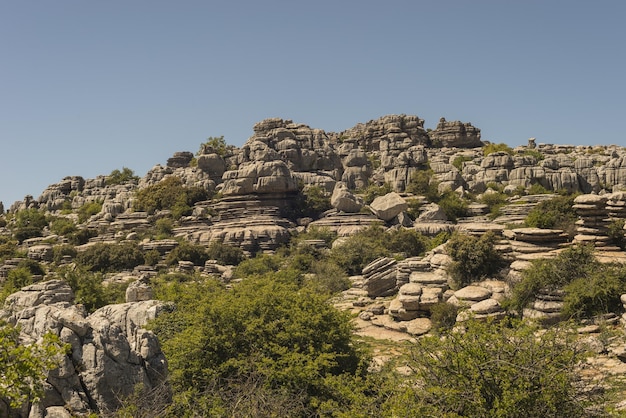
(285,180)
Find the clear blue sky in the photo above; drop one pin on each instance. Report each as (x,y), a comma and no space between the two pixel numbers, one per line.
(90,86)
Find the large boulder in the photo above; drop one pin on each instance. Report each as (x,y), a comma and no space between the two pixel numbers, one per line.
(344,201)
(388,206)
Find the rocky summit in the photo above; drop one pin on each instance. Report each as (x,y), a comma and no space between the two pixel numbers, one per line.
(288,179)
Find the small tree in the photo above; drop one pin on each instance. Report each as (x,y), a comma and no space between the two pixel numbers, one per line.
(120,177)
(24,368)
(497,369)
(473,258)
(215,144)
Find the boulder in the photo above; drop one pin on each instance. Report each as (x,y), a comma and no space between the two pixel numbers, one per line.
(388,206)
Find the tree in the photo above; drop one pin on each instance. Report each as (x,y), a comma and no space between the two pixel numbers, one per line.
(119,177)
(213,144)
(472,258)
(169,194)
(497,369)
(23,368)
(267,333)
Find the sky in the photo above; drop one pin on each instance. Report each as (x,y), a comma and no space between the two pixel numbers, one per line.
(87,87)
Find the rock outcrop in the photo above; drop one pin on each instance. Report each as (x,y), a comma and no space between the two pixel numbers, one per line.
(110,353)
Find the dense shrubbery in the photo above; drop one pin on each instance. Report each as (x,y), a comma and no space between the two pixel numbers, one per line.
(472,258)
(451,203)
(89,289)
(102,257)
(591,287)
(186,251)
(119,177)
(491,148)
(557,212)
(88,210)
(494,201)
(283,339)
(373,191)
(496,369)
(29,223)
(311,202)
(169,194)
(225,254)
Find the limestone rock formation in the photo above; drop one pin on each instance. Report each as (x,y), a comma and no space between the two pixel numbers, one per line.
(456,134)
(110,351)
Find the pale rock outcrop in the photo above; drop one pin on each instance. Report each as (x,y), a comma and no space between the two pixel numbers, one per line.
(456,134)
(388,206)
(380,277)
(110,351)
(345,201)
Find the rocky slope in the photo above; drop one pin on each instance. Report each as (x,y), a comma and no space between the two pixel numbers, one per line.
(256,207)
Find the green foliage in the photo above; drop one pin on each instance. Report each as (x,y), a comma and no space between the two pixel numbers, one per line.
(459,160)
(225,254)
(494,201)
(215,144)
(81,236)
(422,183)
(29,223)
(472,258)
(616,232)
(115,257)
(326,277)
(591,288)
(24,368)
(537,188)
(120,177)
(443,316)
(186,251)
(257,266)
(453,205)
(413,209)
(554,213)
(311,202)
(164,228)
(60,251)
(313,232)
(407,242)
(437,240)
(8,248)
(534,153)
(152,257)
(16,279)
(62,226)
(359,250)
(373,191)
(89,289)
(89,209)
(496,369)
(169,194)
(491,148)
(285,339)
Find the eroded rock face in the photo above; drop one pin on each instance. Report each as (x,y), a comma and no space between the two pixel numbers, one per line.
(110,351)
(456,134)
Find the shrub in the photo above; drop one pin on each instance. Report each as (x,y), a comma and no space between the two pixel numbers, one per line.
(534,153)
(186,251)
(616,232)
(120,177)
(327,277)
(591,288)
(491,148)
(311,202)
(373,191)
(257,266)
(459,160)
(29,223)
(60,251)
(472,258)
(88,210)
(494,201)
(169,194)
(16,279)
(225,254)
(89,289)
(265,330)
(215,144)
(164,228)
(81,236)
(313,232)
(453,205)
(443,316)
(103,257)
(62,226)
(554,213)
(537,188)
(407,242)
(497,369)
(423,184)
(359,250)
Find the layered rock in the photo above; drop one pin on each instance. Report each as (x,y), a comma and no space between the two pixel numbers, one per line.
(456,134)
(110,351)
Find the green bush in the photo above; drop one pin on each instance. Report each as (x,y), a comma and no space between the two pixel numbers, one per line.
(29,223)
(491,148)
(62,226)
(494,201)
(16,279)
(496,369)
(407,242)
(313,232)
(89,289)
(616,233)
(258,266)
(81,236)
(87,210)
(557,212)
(327,277)
(164,228)
(311,202)
(443,316)
(120,177)
(590,287)
(473,258)
(423,184)
(537,188)
(286,339)
(373,191)
(225,254)
(186,251)
(169,194)
(534,153)
(217,144)
(60,251)
(459,160)
(115,257)
(453,205)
